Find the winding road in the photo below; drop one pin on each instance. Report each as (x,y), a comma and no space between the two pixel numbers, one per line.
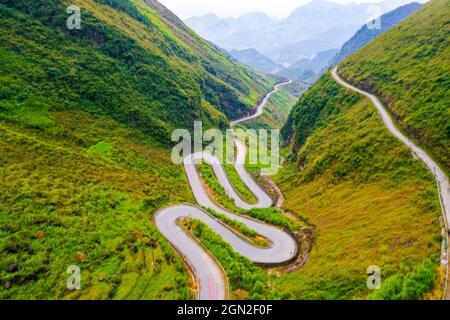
(210,276)
(440,176)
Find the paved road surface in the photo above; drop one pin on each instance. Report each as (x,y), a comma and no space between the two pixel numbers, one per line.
(441,177)
(207,272)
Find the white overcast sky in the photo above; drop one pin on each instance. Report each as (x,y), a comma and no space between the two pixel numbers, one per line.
(224,8)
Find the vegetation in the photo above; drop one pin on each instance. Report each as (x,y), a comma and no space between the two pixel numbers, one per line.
(79,200)
(154,77)
(366,34)
(274,217)
(85,123)
(129,8)
(271,216)
(410,286)
(408,68)
(370,201)
(240,187)
(316,110)
(217,192)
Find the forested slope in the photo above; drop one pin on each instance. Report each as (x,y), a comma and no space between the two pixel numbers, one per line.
(86,118)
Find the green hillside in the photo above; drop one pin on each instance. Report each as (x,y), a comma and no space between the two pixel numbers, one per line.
(278,107)
(408,68)
(369,200)
(85,123)
(152,72)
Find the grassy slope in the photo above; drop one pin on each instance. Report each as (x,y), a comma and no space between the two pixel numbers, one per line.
(92,191)
(84,120)
(370,201)
(408,67)
(142,75)
(219,193)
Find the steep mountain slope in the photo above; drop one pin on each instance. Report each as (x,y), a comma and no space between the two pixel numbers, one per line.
(365,35)
(153,73)
(278,107)
(408,68)
(316,26)
(301,70)
(84,197)
(370,200)
(85,123)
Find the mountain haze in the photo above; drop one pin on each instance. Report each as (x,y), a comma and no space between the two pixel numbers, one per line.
(305,69)
(312,69)
(149,60)
(88,181)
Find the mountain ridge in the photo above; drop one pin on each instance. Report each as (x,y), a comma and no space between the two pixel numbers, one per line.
(305,69)
(253,58)
(364,35)
(86,118)
(324,25)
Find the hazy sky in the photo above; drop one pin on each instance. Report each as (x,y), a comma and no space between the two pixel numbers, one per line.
(225,8)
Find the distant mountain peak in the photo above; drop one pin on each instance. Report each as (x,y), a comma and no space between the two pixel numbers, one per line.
(313,27)
(210,16)
(365,35)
